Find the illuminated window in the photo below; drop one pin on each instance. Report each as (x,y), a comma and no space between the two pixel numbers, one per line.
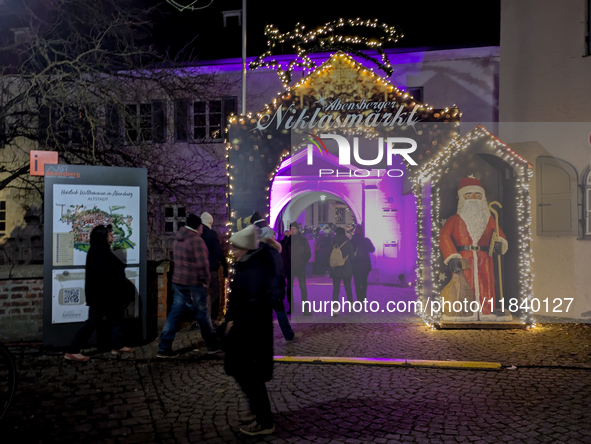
(339,215)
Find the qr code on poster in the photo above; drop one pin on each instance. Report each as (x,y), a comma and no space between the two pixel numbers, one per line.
(71,296)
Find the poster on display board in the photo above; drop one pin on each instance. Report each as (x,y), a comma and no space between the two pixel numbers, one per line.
(77,209)
(77,199)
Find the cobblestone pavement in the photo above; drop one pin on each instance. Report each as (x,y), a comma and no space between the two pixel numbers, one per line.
(190,400)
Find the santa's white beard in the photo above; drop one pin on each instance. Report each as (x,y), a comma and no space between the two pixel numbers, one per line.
(475,214)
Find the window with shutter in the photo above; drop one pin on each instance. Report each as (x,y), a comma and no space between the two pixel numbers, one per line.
(557,197)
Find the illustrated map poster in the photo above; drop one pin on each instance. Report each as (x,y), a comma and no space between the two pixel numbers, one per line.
(77,209)
(68,298)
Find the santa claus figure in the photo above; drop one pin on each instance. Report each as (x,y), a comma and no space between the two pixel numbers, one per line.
(467,235)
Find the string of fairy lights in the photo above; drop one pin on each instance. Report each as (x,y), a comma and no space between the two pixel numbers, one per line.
(325,69)
(326,38)
(427,179)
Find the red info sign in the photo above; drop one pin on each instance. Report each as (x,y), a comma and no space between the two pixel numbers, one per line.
(39,159)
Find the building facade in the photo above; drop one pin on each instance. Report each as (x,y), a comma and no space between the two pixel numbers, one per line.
(544,116)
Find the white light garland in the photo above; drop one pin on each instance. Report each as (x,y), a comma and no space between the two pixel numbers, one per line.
(432,172)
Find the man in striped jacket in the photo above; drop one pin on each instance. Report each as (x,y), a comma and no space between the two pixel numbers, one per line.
(189,282)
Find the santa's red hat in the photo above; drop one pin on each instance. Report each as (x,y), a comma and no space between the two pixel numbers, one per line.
(470,185)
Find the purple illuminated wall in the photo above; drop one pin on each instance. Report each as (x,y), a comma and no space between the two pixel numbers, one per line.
(389,216)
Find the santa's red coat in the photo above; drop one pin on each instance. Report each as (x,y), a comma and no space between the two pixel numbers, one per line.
(455,233)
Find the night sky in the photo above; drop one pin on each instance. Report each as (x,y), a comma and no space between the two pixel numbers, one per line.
(200,34)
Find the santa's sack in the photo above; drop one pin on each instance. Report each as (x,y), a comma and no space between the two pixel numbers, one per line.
(458,290)
(336,256)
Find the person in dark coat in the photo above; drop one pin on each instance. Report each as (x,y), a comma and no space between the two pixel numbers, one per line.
(295,254)
(216,260)
(105,288)
(249,331)
(345,272)
(361,262)
(323,248)
(268,241)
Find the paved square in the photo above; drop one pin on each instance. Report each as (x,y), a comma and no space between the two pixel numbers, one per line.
(191,400)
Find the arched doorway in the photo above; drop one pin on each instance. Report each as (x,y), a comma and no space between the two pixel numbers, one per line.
(387,214)
(316,209)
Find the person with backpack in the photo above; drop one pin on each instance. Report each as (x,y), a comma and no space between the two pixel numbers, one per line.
(340,264)
(361,262)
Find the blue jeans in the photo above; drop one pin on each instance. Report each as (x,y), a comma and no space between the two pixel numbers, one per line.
(193,298)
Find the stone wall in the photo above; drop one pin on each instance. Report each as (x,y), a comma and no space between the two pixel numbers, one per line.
(21,303)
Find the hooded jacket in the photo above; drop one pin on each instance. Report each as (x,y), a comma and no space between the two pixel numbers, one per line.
(191,264)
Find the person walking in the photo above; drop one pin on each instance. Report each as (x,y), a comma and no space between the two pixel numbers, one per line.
(267,240)
(216,260)
(340,262)
(295,254)
(361,262)
(190,280)
(248,340)
(107,290)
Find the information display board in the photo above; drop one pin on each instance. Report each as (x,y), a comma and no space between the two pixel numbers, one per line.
(78,198)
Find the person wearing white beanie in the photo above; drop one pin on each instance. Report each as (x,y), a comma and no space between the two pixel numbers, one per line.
(216,259)
(246,239)
(249,326)
(207,219)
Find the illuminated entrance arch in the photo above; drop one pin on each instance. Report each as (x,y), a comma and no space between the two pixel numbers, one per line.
(340,97)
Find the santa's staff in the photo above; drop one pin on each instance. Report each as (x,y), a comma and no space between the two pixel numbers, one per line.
(496,238)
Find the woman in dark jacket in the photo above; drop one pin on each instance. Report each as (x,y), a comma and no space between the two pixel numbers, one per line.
(362,246)
(249,338)
(105,288)
(344,272)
